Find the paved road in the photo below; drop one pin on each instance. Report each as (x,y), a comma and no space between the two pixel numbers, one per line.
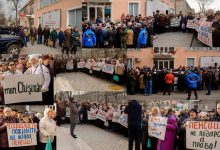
(176,39)
(78,81)
(89,138)
(40,49)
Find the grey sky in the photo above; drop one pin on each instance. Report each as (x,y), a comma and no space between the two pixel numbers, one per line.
(214,5)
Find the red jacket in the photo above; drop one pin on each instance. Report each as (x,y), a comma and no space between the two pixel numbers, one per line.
(169,78)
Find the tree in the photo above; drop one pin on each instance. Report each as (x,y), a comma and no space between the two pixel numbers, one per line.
(15,6)
(203,4)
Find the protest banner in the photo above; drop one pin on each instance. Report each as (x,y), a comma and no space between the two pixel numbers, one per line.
(190,24)
(91,115)
(203,135)
(22,134)
(88,65)
(157,127)
(205,33)
(81,64)
(175,22)
(108,68)
(116,117)
(101,115)
(97,67)
(123,120)
(22,88)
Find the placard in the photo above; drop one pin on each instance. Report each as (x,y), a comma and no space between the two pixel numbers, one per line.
(205,33)
(101,115)
(123,120)
(108,68)
(22,134)
(91,115)
(88,65)
(203,135)
(81,64)
(157,127)
(97,67)
(22,88)
(190,24)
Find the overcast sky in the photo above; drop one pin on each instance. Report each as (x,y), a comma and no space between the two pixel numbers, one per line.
(214,5)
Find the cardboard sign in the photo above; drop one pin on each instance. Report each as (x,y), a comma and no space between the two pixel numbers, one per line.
(81,64)
(91,115)
(123,120)
(203,135)
(22,88)
(157,127)
(190,24)
(116,117)
(175,22)
(88,65)
(22,134)
(101,115)
(97,67)
(205,33)
(108,68)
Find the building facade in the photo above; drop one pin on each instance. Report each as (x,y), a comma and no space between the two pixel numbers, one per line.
(182,5)
(26,14)
(58,13)
(170,57)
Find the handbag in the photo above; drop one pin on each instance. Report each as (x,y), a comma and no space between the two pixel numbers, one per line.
(116,78)
(49,145)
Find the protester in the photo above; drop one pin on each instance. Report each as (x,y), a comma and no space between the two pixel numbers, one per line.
(53,36)
(88,39)
(61,38)
(74,117)
(33,35)
(39,34)
(216,30)
(67,40)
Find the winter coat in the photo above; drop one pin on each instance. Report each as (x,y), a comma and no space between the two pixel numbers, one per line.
(47,128)
(192,79)
(53,35)
(33,32)
(123,36)
(75,38)
(215,117)
(39,31)
(130,36)
(142,37)
(169,140)
(74,113)
(89,38)
(216,34)
(3,131)
(61,36)
(67,39)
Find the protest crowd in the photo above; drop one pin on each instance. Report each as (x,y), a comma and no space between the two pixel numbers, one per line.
(111,69)
(18,66)
(168,129)
(41,126)
(127,32)
(68,39)
(204,26)
(151,80)
(107,116)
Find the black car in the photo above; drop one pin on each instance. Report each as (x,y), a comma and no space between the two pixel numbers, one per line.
(10,44)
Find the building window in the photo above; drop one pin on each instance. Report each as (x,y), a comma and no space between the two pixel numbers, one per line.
(190,62)
(45,3)
(134,8)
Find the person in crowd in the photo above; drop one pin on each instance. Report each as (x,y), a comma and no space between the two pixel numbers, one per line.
(32,35)
(46,33)
(216,116)
(216,30)
(47,128)
(142,38)
(39,34)
(208,81)
(109,116)
(192,79)
(61,38)
(75,40)
(169,80)
(12,69)
(74,117)
(148,83)
(53,36)
(67,40)
(27,34)
(130,37)
(89,38)
(134,112)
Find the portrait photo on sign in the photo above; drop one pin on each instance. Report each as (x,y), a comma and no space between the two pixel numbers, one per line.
(26,79)
(91,70)
(28,127)
(92,115)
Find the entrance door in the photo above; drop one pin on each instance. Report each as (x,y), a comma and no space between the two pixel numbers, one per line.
(163,64)
(94,12)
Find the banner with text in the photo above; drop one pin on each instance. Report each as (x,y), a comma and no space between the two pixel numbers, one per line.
(22,134)
(91,115)
(101,115)
(108,68)
(203,135)
(157,127)
(205,33)
(22,88)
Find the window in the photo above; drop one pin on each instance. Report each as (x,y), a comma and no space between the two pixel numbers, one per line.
(190,62)
(75,19)
(45,3)
(134,9)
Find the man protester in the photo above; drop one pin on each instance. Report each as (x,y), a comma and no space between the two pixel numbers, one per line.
(11,69)
(67,40)
(89,38)
(39,34)
(74,116)
(216,116)
(169,79)
(53,36)
(216,30)
(134,112)
(37,68)
(46,33)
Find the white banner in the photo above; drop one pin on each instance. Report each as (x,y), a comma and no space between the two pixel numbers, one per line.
(209,61)
(21,134)
(97,67)
(81,64)
(22,88)
(108,68)
(190,24)
(88,65)
(52,19)
(123,120)
(203,135)
(101,115)
(205,33)
(157,127)
(91,115)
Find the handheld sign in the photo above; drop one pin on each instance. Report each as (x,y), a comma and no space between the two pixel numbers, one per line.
(203,135)
(22,88)
(22,134)
(157,127)
(108,68)
(91,115)
(81,64)
(101,115)
(205,33)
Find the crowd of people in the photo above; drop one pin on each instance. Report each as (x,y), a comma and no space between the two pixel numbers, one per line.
(175,136)
(46,127)
(95,67)
(127,32)
(178,22)
(78,112)
(68,40)
(151,81)
(33,64)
